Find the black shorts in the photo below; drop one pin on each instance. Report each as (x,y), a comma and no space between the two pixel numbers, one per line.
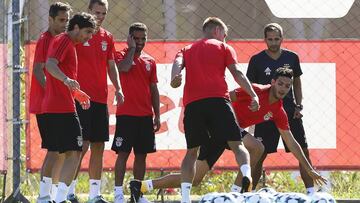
(94,122)
(46,140)
(269,135)
(134,132)
(213,149)
(211,117)
(65,130)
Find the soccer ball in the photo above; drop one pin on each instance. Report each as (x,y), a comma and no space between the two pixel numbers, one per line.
(207,198)
(322,197)
(260,198)
(267,190)
(293,198)
(224,198)
(240,198)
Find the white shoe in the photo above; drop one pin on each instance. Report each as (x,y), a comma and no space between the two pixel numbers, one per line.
(119,199)
(143,199)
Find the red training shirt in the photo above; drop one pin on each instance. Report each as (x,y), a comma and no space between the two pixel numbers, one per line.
(36,91)
(93,57)
(58,97)
(267,111)
(205,62)
(136,85)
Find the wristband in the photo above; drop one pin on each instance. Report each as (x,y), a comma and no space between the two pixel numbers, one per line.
(299,106)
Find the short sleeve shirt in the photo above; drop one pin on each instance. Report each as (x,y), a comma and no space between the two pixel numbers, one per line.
(205,62)
(36,91)
(58,97)
(93,57)
(274,112)
(136,85)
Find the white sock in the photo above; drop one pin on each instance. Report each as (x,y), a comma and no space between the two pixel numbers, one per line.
(54,188)
(61,192)
(119,192)
(185,192)
(310,190)
(94,188)
(235,188)
(149,184)
(45,186)
(246,170)
(72,187)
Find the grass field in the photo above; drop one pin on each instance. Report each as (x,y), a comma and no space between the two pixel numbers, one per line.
(345,185)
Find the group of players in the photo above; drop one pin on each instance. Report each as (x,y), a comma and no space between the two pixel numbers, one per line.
(69,98)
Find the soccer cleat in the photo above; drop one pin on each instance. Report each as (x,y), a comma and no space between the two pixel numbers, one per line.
(45,199)
(98,199)
(246,185)
(73,198)
(135,186)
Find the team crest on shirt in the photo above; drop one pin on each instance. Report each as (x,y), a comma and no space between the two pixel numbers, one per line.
(267,71)
(118,141)
(86,44)
(268,116)
(147,66)
(104,45)
(79,141)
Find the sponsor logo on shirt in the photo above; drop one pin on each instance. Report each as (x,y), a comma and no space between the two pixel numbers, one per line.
(118,141)
(104,45)
(286,65)
(86,44)
(79,141)
(268,116)
(147,66)
(267,71)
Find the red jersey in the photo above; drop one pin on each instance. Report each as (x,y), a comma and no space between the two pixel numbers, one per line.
(36,91)
(93,57)
(205,62)
(267,111)
(58,97)
(136,85)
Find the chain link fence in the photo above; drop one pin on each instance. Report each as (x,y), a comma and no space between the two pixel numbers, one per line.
(328,47)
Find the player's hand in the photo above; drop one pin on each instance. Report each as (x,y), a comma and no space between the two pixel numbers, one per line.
(176,81)
(71,84)
(119,97)
(131,41)
(156,123)
(254,105)
(317,178)
(82,98)
(297,113)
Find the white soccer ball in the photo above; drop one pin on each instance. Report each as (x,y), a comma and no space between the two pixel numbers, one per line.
(267,190)
(322,197)
(207,198)
(260,198)
(224,198)
(293,198)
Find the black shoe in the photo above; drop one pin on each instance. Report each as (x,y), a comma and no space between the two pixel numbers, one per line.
(246,185)
(135,187)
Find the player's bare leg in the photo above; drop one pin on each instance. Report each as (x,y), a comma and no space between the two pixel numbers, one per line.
(257,170)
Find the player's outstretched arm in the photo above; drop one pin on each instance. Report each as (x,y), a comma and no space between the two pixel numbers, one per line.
(53,68)
(114,77)
(295,148)
(242,80)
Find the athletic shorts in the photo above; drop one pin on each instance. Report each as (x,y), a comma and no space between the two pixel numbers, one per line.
(94,122)
(213,149)
(134,132)
(46,140)
(269,135)
(211,117)
(65,130)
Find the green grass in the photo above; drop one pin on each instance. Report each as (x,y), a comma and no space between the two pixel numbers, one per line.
(345,184)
